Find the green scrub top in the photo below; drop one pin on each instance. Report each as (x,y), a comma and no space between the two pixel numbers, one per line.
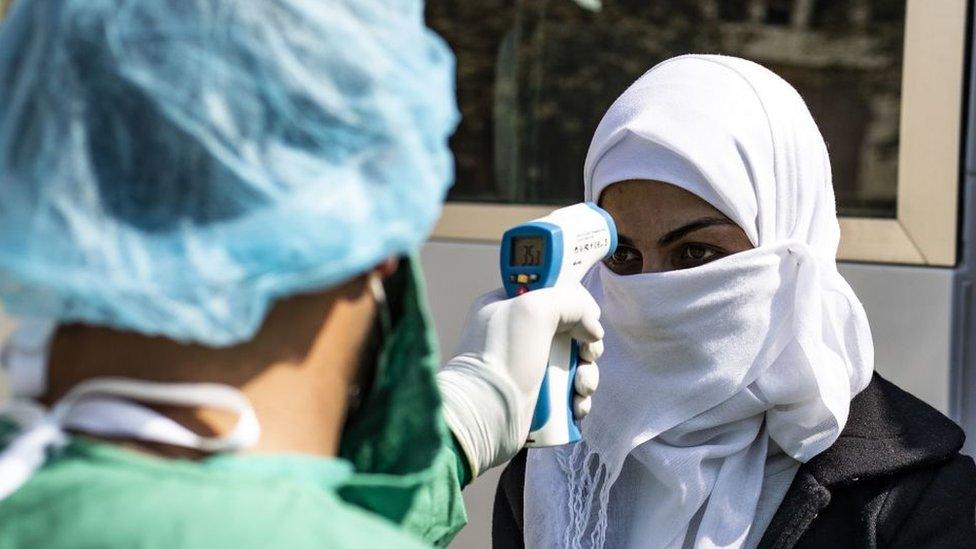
(397,482)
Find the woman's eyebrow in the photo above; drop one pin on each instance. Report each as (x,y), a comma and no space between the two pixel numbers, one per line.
(698,224)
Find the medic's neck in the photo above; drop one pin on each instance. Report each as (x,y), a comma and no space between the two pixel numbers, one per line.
(296,371)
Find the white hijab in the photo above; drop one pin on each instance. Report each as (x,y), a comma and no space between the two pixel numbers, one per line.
(716,376)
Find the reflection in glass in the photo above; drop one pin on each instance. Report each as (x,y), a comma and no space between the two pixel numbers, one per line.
(535,76)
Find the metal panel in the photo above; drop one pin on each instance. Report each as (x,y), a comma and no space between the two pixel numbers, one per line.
(910,311)
(963,353)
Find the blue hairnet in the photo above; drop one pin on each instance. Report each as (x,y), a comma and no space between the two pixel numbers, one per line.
(172,167)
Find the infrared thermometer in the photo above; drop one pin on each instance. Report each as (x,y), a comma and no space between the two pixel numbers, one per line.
(557,249)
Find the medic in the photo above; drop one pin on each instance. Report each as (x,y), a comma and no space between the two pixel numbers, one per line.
(209,218)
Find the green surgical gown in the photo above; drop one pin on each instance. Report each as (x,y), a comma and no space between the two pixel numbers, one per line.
(396,483)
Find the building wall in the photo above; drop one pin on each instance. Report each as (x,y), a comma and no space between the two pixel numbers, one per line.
(909,309)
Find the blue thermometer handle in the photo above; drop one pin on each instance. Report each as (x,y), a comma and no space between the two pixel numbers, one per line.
(554,427)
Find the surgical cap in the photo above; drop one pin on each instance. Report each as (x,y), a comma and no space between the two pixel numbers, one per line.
(174,167)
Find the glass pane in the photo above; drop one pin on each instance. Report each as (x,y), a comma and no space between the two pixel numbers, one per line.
(535,76)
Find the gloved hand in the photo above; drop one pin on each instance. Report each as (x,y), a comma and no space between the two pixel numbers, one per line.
(490,388)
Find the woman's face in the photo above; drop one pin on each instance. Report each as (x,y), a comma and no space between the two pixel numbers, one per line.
(662,227)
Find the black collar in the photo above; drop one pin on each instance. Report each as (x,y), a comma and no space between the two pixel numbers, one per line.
(888,432)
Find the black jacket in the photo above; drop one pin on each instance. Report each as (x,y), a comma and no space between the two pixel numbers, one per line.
(894,478)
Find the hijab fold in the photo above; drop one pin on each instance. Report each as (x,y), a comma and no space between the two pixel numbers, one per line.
(719,378)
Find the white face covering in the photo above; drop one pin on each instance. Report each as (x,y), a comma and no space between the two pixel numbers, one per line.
(713,376)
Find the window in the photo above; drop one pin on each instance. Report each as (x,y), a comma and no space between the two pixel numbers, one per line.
(535,76)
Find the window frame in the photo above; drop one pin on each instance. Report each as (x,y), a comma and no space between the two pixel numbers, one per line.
(925,228)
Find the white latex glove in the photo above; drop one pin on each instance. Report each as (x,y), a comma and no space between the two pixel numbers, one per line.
(490,388)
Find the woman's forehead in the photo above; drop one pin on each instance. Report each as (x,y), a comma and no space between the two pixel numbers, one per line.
(641,199)
(645,210)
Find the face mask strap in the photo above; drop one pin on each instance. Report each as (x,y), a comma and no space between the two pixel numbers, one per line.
(23,357)
(383,313)
(371,350)
(108,407)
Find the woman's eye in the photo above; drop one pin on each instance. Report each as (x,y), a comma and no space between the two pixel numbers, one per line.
(625,260)
(621,255)
(692,255)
